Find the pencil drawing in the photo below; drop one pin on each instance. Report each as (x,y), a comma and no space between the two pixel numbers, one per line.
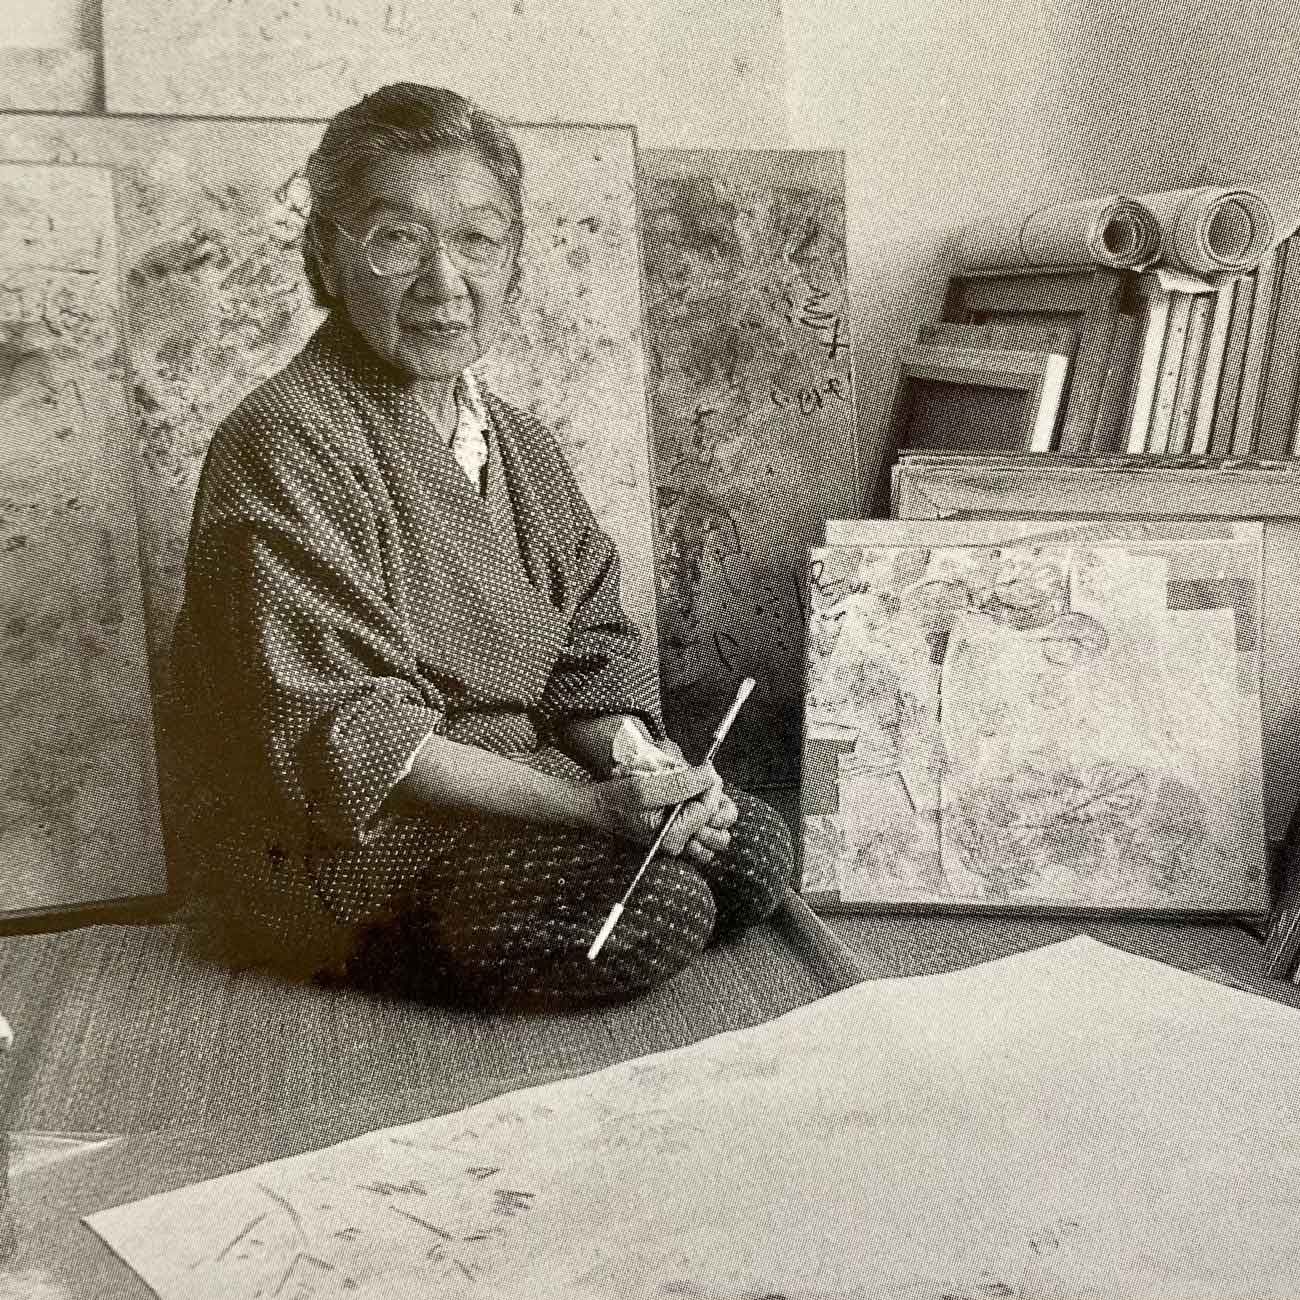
(950,1165)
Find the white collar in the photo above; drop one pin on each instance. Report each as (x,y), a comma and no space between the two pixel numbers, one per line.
(470,406)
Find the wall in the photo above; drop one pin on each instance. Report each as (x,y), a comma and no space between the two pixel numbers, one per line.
(949,114)
(50,24)
(1249,113)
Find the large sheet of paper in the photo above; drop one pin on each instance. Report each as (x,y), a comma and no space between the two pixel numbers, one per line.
(1069,1123)
(1213,228)
(210,217)
(79,818)
(751,407)
(683,72)
(1009,726)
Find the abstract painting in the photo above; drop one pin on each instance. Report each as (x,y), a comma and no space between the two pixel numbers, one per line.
(79,820)
(1051,1125)
(1012,727)
(211,217)
(931,487)
(681,71)
(751,409)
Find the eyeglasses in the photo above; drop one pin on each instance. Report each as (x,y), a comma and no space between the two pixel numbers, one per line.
(397,247)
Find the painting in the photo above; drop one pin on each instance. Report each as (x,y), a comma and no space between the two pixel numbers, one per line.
(79,821)
(1168,490)
(1006,726)
(894,1141)
(751,407)
(683,72)
(211,216)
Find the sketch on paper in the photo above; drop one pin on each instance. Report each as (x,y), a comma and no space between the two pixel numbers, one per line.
(752,419)
(808,1144)
(1062,724)
(78,794)
(211,217)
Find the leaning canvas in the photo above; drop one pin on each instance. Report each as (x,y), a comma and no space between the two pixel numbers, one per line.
(751,411)
(210,217)
(1002,488)
(1069,724)
(79,820)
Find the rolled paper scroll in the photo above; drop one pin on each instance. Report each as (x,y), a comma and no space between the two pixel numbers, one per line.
(1113,231)
(1212,229)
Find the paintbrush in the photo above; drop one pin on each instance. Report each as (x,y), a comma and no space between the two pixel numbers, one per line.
(719,735)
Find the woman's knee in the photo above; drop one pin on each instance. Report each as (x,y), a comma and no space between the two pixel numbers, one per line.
(758,867)
(665,926)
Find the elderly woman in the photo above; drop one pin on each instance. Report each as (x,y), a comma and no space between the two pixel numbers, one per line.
(411,696)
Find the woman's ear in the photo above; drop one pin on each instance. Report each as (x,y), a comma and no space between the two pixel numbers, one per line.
(323,256)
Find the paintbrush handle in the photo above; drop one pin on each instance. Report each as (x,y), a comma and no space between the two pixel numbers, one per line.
(720,731)
(719,735)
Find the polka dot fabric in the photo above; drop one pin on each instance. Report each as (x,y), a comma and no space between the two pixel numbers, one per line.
(505,914)
(349,591)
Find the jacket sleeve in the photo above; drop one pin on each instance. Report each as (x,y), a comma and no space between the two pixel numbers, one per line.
(603,668)
(286,580)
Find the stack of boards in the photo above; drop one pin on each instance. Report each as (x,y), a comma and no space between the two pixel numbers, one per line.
(1190,367)
(1214,372)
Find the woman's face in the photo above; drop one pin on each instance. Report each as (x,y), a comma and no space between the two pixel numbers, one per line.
(434,323)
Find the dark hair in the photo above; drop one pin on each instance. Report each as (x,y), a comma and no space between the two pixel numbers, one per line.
(401,118)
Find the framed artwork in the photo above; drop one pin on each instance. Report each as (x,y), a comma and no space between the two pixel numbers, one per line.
(978,398)
(1087,300)
(206,230)
(1153,488)
(1004,727)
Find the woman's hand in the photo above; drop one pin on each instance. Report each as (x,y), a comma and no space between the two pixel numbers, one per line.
(634,805)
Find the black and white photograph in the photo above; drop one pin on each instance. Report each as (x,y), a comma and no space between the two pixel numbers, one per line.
(649,650)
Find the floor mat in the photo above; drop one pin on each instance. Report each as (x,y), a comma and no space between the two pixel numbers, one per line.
(929,944)
(121,1029)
